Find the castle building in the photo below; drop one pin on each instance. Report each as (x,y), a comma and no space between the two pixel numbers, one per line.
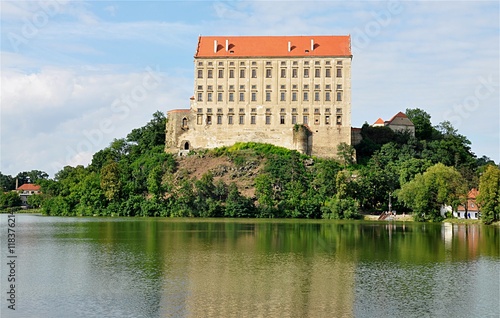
(290,91)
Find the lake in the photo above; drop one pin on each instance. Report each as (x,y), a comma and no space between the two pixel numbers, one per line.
(157,267)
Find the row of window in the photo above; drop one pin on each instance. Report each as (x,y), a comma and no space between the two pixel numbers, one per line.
(283,94)
(268,120)
(254,87)
(269,110)
(268,63)
(269,73)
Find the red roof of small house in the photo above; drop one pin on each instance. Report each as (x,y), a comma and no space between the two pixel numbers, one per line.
(471,201)
(379,121)
(29,187)
(400,115)
(274,46)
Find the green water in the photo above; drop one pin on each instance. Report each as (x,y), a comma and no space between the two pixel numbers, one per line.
(105,267)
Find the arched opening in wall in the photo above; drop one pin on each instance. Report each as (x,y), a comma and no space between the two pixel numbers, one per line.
(186,145)
(184,124)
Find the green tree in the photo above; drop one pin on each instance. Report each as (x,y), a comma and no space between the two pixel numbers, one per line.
(489,194)
(428,192)
(110,181)
(422,122)
(9,199)
(346,153)
(7,183)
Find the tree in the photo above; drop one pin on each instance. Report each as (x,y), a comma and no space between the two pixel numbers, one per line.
(428,192)
(422,122)
(110,181)
(489,194)
(9,199)
(346,153)
(7,183)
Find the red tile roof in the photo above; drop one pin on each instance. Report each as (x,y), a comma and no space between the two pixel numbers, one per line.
(274,46)
(29,187)
(379,121)
(400,115)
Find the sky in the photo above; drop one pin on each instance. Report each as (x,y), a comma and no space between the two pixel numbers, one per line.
(75,75)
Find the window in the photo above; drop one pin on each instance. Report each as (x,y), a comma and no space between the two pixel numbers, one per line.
(254,96)
(294,72)
(328,86)
(231,87)
(268,96)
(254,73)
(295,63)
(268,63)
(294,110)
(268,110)
(283,63)
(200,73)
(230,110)
(200,87)
(199,119)
(316,86)
(327,110)
(242,119)
(328,72)
(268,120)
(219,119)
(339,120)
(242,97)
(268,73)
(254,86)
(231,63)
(221,73)
(219,110)
(317,72)
(242,73)
(242,86)
(231,97)
(200,63)
(209,120)
(231,73)
(242,110)
(327,120)
(254,63)
(283,86)
(316,96)
(209,110)
(219,97)
(282,96)
(242,63)
(306,110)
(306,86)
(305,120)
(294,96)
(306,96)
(294,119)
(282,119)
(283,72)
(306,63)
(339,72)
(210,73)
(252,119)
(282,110)
(268,86)
(339,96)
(339,62)
(294,86)
(327,62)
(209,63)
(230,119)
(316,120)
(253,110)
(306,72)
(339,86)
(200,110)
(210,88)
(339,110)
(316,110)
(200,97)
(209,97)
(316,63)
(220,63)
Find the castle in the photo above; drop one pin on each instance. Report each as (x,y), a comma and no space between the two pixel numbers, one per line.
(290,91)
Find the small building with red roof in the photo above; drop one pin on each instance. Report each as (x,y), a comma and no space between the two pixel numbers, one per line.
(470,210)
(26,190)
(399,122)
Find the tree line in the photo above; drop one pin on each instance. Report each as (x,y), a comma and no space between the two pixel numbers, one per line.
(133,176)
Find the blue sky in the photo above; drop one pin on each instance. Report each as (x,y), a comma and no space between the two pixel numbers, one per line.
(77,74)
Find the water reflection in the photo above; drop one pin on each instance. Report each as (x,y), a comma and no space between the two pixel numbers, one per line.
(95,267)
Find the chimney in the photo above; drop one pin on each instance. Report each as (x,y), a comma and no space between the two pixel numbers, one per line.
(215,46)
(227,45)
(17,183)
(289,46)
(312,44)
